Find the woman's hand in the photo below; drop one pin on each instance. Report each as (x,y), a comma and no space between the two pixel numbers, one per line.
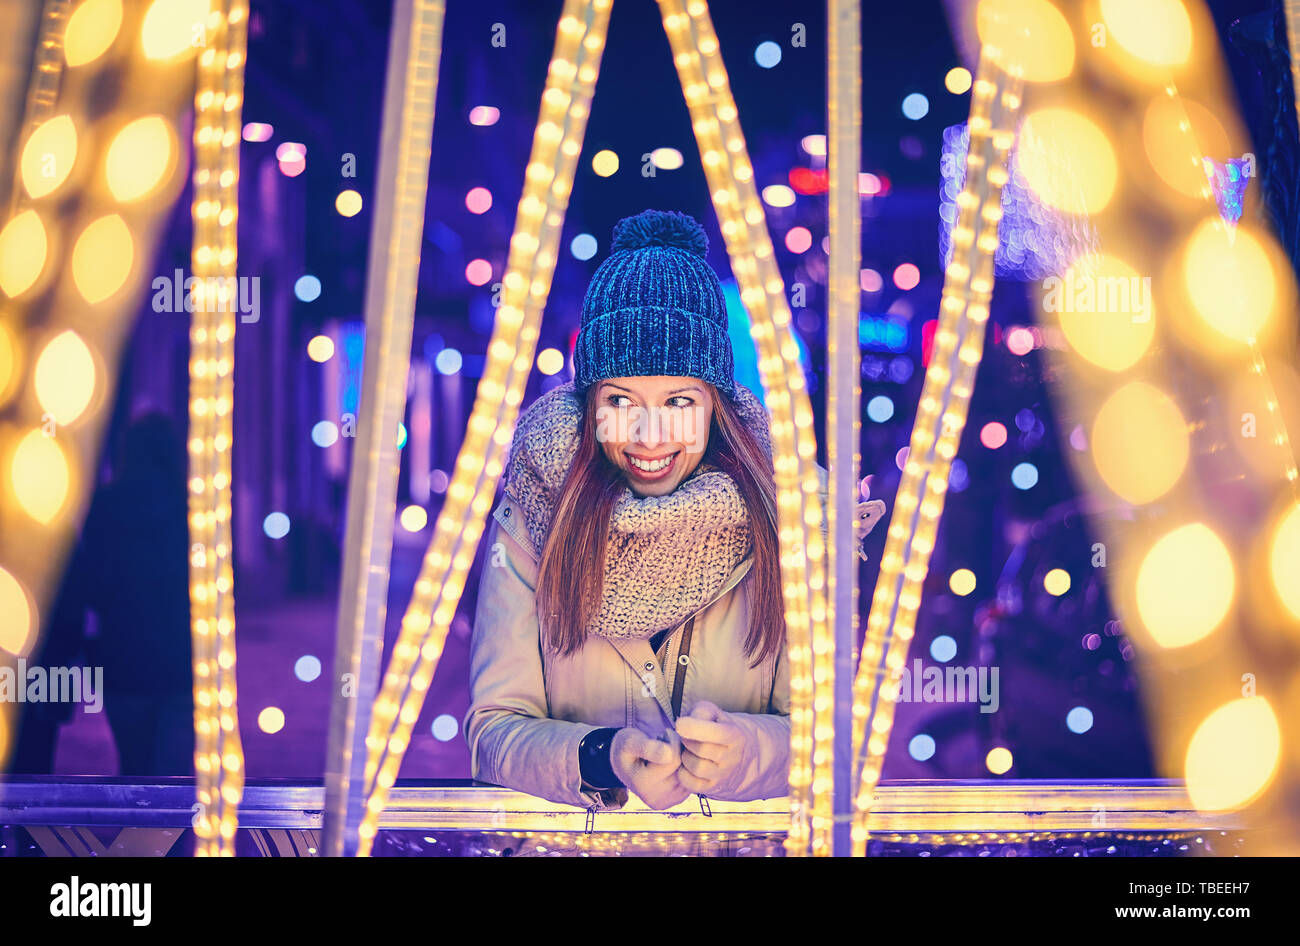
(712,747)
(648,767)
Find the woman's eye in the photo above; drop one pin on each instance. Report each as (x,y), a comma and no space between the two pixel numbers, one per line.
(618,400)
(680,400)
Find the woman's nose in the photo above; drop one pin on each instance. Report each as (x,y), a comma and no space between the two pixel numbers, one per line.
(645,429)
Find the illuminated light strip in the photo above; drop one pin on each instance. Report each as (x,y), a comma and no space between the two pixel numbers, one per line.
(941,417)
(557,142)
(410,94)
(218,753)
(730,176)
(231,781)
(843,397)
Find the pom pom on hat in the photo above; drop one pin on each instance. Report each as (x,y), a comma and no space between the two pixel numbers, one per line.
(660,228)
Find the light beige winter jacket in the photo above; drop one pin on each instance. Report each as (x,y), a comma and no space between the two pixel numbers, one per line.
(528,712)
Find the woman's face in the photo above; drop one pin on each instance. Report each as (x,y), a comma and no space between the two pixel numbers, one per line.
(654,429)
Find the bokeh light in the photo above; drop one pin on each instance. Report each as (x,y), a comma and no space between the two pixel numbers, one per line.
(270,720)
(478,272)
(91,30)
(1176,131)
(999,760)
(550,361)
(767,54)
(1067,161)
(276,525)
(1056,582)
(448,361)
(1024,476)
(1020,341)
(943,648)
(1105,311)
(1139,442)
(413,518)
(1233,755)
(348,203)
(1284,560)
(880,408)
(1230,279)
(916,106)
(1159,32)
(993,434)
(1030,36)
(605,163)
(320,349)
(48,156)
(958,80)
(171,26)
(778,195)
(23,248)
(798,240)
(478,200)
(484,115)
(307,288)
(102,258)
(258,131)
(1185,585)
(666,159)
(39,476)
(307,668)
(962,582)
(445,727)
(583,246)
(1079,720)
(870,280)
(65,377)
(139,158)
(16,606)
(325,433)
(907,276)
(814,145)
(921,747)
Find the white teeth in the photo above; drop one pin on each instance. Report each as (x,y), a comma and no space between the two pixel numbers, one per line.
(653,467)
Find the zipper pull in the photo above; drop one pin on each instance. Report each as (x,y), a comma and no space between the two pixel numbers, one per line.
(704,806)
(590,826)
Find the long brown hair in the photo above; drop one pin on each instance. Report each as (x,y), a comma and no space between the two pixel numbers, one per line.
(571,572)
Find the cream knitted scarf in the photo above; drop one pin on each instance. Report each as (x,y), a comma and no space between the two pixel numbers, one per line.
(666,556)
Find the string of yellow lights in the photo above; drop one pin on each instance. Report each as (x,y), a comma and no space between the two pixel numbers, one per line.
(941,418)
(218,101)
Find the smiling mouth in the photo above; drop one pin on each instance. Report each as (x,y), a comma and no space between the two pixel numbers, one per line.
(651,469)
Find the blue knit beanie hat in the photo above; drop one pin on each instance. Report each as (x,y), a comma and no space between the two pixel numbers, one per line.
(655,307)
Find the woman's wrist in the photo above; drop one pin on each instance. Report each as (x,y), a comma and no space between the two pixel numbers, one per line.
(594,759)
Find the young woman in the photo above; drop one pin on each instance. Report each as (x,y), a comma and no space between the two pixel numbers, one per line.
(630,631)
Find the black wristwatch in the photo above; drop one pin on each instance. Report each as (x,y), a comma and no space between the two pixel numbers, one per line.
(594,759)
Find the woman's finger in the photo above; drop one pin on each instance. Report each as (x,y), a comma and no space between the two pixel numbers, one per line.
(713,751)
